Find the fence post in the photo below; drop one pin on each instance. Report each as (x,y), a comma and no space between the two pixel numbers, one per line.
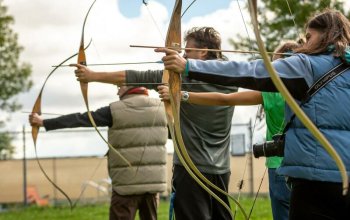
(25,202)
(54,169)
(250,155)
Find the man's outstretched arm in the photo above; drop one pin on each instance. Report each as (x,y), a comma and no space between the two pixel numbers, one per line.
(84,74)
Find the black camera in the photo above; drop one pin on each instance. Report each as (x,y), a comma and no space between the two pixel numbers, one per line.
(270,148)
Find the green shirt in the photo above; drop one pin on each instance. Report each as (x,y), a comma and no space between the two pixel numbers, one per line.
(274,111)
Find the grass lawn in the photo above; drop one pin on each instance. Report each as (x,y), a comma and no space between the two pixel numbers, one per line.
(262,211)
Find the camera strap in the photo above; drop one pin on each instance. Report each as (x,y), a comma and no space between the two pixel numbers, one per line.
(318,85)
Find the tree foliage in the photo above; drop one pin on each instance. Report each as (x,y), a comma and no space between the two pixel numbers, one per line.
(6,148)
(14,76)
(283,20)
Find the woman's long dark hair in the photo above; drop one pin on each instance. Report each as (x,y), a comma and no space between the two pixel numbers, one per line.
(334,28)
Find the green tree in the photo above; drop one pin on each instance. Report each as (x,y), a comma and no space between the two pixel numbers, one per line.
(14,76)
(276,20)
(6,148)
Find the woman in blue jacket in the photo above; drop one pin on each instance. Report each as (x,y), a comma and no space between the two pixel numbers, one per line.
(314,176)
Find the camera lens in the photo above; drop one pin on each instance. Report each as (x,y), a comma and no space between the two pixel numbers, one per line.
(258,150)
(268,149)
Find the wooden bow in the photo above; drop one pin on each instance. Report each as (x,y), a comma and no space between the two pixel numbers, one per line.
(172,109)
(292,103)
(35,129)
(37,109)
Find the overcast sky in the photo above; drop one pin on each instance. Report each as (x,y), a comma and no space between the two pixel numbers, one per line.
(50,31)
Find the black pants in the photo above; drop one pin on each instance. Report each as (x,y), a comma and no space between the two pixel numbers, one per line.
(318,201)
(192,202)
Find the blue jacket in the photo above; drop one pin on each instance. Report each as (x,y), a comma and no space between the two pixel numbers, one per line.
(329,109)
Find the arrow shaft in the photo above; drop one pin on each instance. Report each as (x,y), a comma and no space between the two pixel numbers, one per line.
(211,50)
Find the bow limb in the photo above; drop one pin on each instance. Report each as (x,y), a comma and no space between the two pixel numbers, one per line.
(292,103)
(84,90)
(82,59)
(172,110)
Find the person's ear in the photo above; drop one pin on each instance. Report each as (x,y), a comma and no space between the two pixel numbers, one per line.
(203,54)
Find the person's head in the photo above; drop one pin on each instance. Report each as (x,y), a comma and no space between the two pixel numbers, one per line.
(124,90)
(287,47)
(327,29)
(204,38)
